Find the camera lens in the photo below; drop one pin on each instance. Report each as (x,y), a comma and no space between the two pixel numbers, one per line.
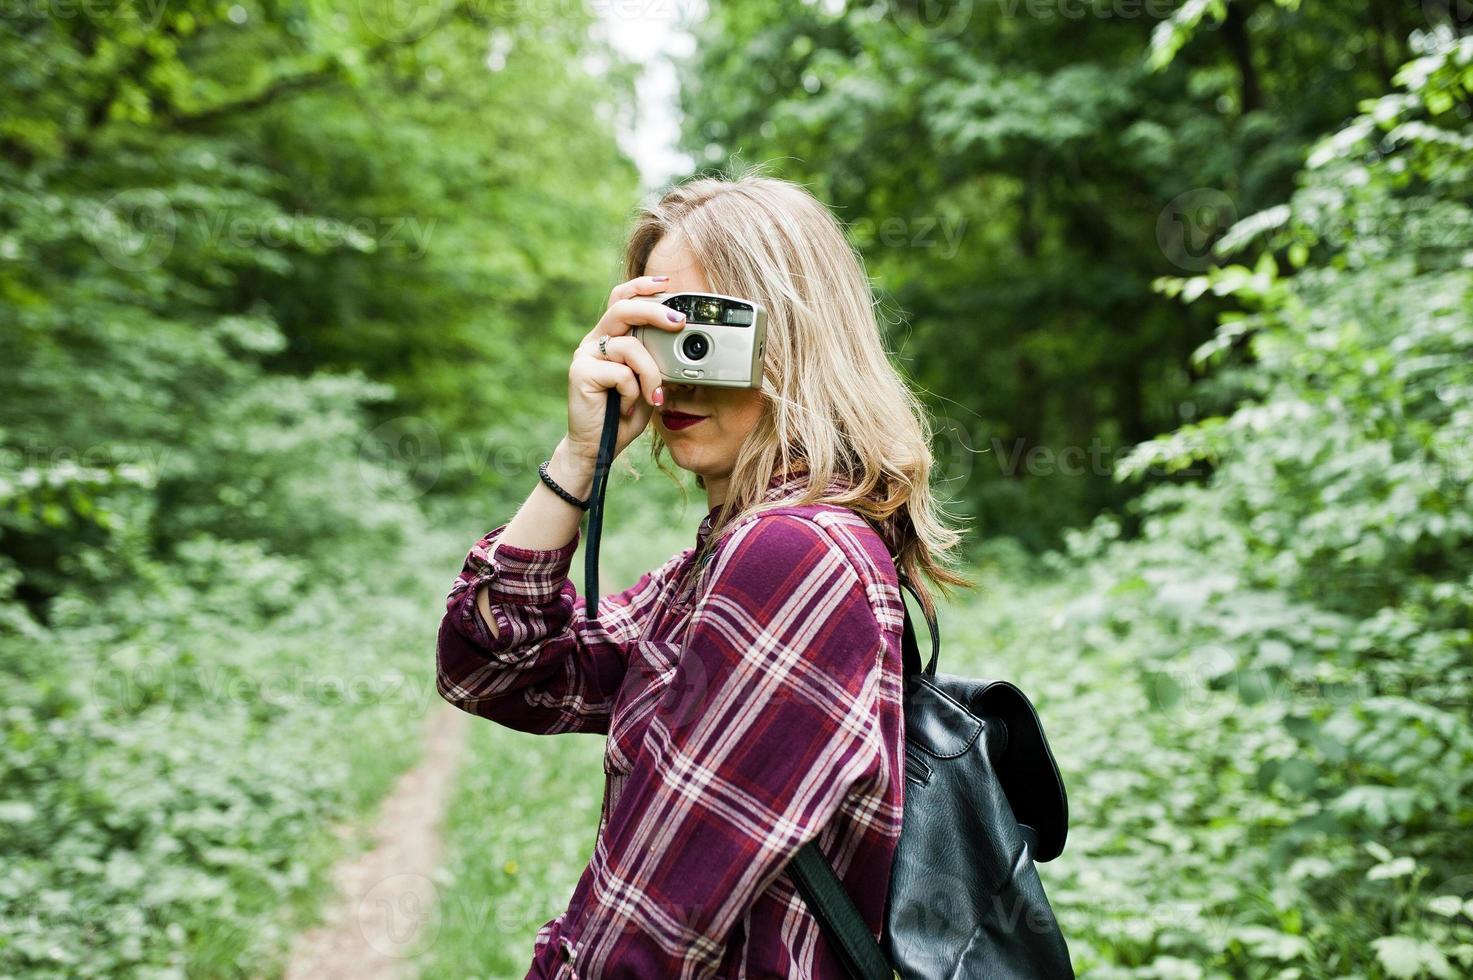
(695,346)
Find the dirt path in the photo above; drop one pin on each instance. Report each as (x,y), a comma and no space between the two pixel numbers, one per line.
(387,905)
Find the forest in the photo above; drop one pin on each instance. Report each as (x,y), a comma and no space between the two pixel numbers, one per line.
(288,290)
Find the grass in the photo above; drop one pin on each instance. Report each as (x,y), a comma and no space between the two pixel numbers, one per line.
(520,831)
(369,694)
(185,754)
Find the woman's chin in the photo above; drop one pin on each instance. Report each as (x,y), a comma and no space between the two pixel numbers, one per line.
(684,455)
(688,456)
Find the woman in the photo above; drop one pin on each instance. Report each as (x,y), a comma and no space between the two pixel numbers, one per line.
(750,687)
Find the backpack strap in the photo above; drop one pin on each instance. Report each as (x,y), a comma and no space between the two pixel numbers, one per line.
(909,649)
(837,916)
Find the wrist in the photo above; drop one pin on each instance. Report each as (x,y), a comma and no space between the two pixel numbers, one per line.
(572,470)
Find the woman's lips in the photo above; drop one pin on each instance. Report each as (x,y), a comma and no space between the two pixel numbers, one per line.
(675,421)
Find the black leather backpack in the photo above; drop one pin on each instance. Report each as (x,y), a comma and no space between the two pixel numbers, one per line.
(983,802)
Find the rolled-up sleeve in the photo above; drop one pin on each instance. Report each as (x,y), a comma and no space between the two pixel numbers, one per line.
(769,723)
(546,668)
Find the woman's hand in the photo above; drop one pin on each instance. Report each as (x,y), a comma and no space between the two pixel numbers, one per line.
(546,521)
(626,366)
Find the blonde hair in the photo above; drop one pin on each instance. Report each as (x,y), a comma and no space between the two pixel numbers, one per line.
(835,405)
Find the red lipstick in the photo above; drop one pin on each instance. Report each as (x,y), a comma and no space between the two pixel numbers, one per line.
(675,421)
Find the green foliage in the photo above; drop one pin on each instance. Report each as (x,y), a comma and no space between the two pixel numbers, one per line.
(1016,174)
(175,756)
(268,275)
(1300,622)
(284,287)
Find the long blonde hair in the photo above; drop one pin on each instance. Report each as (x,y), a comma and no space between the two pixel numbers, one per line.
(835,405)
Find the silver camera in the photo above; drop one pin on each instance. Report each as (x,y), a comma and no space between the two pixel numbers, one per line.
(721,343)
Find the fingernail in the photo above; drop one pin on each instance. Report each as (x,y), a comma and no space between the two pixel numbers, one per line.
(675,316)
(659,397)
(659,278)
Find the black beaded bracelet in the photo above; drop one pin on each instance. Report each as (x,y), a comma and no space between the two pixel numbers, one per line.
(553,486)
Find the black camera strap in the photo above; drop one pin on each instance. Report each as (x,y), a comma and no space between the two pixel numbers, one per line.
(607,440)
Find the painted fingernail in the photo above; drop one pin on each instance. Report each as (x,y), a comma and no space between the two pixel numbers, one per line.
(659,396)
(675,316)
(659,278)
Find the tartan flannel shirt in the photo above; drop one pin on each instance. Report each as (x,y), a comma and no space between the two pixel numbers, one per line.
(748,710)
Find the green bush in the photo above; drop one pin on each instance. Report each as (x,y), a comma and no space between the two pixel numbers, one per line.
(1289,792)
(248,252)
(175,757)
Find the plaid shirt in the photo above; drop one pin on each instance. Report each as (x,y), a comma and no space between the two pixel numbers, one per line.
(751,704)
